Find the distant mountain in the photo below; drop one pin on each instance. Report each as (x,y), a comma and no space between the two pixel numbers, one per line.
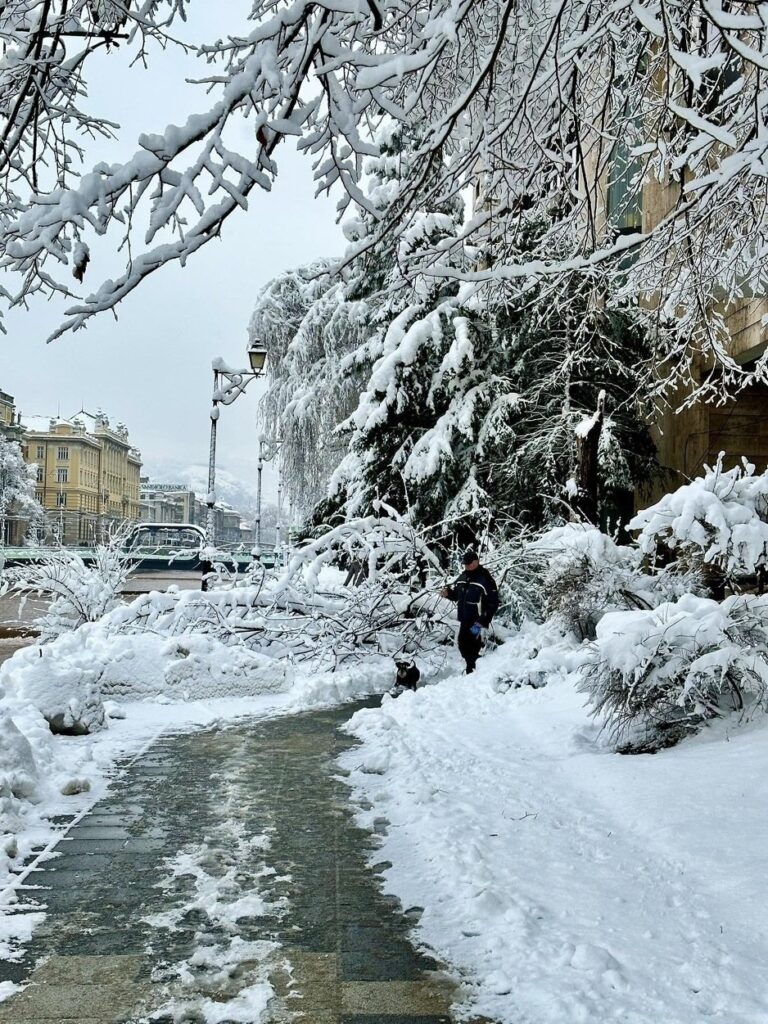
(231,487)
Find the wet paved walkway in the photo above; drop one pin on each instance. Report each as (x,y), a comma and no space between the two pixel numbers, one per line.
(223,861)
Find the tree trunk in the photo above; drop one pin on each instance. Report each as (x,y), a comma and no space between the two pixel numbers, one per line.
(587,441)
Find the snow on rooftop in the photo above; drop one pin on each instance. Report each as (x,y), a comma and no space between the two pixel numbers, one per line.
(90,422)
(40,424)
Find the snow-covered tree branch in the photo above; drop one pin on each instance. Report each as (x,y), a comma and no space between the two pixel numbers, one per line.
(572,112)
(17,487)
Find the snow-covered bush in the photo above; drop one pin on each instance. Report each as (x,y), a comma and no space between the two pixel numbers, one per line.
(79,592)
(656,676)
(535,654)
(583,574)
(717,523)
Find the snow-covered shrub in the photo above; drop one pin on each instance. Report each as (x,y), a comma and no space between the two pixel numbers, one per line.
(79,592)
(535,654)
(656,676)
(583,574)
(717,523)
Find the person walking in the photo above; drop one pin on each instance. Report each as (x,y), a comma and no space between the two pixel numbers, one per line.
(477,600)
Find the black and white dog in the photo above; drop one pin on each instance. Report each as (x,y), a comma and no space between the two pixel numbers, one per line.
(407,676)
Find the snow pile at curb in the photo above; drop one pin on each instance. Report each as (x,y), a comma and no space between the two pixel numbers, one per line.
(567,884)
(327,689)
(138,667)
(38,780)
(69,679)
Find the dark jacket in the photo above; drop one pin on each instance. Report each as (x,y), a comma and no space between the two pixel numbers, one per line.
(476,596)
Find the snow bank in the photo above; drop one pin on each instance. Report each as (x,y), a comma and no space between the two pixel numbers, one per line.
(33,778)
(326,689)
(139,666)
(566,884)
(176,646)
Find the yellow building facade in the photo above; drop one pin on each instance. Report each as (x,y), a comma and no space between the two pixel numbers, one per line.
(87,475)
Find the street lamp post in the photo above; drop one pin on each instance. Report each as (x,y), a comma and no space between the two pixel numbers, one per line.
(228,385)
(267,451)
(279,523)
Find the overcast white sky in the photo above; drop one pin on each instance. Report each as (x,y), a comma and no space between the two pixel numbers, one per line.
(151,369)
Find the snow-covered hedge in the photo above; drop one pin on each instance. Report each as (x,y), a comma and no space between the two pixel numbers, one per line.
(719,520)
(655,676)
(584,574)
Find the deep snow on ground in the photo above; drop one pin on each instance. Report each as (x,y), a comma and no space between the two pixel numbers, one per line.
(568,883)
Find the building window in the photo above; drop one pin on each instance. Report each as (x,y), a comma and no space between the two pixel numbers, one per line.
(62,476)
(61,500)
(625,194)
(41,451)
(38,496)
(39,474)
(63,452)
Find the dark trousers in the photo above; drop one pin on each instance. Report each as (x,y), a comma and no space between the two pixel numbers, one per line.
(469,646)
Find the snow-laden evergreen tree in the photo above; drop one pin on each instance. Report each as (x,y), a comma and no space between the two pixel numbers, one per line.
(473,409)
(416,323)
(312,330)
(561,352)
(456,406)
(17,488)
(332,331)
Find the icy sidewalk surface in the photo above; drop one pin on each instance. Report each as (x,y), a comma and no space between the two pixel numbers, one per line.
(224,880)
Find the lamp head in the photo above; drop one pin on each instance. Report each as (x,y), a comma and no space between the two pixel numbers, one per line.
(257,356)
